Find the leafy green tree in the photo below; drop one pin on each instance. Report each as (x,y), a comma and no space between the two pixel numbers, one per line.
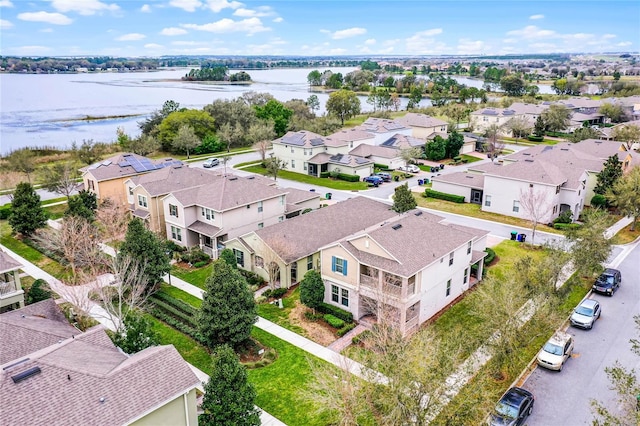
(60,178)
(200,121)
(455,141)
(314,78)
(144,145)
(584,133)
(403,201)
(415,96)
(145,248)
(136,335)
(436,150)
(232,135)
(89,151)
(228,256)
(539,127)
(84,204)
(611,172)
(149,126)
(590,247)
(312,289)
(344,104)
(408,155)
(186,139)
(519,127)
(22,161)
(38,292)
(278,113)
(628,133)
(625,195)
(236,112)
(228,309)
(27,213)
(556,117)
(313,103)
(612,112)
(274,165)
(229,398)
(335,81)
(616,75)
(513,85)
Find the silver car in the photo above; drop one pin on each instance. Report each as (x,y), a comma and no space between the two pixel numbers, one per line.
(211,162)
(586,314)
(556,351)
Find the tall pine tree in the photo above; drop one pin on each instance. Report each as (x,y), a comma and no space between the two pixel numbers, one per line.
(229,397)
(611,172)
(27,214)
(228,308)
(403,200)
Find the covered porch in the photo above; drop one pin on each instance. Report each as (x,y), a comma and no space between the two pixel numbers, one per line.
(206,237)
(11,293)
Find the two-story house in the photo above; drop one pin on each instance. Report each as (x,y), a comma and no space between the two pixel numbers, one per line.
(423,126)
(11,293)
(403,271)
(482,119)
(383,128)
(106,178)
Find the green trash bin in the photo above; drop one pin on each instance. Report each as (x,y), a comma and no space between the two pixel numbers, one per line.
(328,195)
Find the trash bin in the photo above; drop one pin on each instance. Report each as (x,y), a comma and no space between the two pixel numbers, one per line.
(514,235)
(434,169)
(426,181)
(328,195)
(420,181)
(522,237)
(396,178)
(519,238)
(441,166)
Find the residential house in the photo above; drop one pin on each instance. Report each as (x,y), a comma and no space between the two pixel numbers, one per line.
(11,293)
(563,176)
(422,125)
(299,201)
(482,119)
(607,132)
(145,192)
(382,129)
(225,207)
(403,271)
(380,154)
(289,249)
(54,374)
(106,178)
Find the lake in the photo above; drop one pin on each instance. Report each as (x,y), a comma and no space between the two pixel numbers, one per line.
(47,109)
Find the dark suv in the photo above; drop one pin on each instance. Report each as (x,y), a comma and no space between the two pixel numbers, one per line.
(385,176)
(513,408)
(608,282)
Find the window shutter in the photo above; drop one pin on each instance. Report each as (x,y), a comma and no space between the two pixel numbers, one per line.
(344,267)
(333,263)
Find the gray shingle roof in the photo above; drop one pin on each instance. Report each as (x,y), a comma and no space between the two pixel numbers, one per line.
(204,228)
(400,141)
(7,263)
(303,235)
(119,166)
(413,119)
(473,180)
(342,137)
(380,125)
(365,150)
(170,179)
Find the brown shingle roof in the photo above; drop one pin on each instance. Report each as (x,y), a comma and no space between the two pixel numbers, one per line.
(365,151)
(7,263)
(473,180)
(413,119)
(303,235)
(170,179)
(118,166)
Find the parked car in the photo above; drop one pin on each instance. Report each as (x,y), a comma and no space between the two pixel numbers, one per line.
(411,168)
(586,314)
(513,408)
(608,282)
(385,176)
(373,180)
(211,162)
(556,351)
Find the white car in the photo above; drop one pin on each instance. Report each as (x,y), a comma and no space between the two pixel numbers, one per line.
(211,162)
(556,351)
(586,314)
(411,168)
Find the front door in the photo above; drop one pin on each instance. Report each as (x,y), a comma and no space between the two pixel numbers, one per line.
(476,196)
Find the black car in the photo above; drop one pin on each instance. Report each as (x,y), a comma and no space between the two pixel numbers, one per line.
(513,408)
(608,282)
(385,176)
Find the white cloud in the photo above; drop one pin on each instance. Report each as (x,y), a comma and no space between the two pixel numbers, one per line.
(370,41)
(260,11)
(6,3)
(5,25)
(429,33)
(131,37)
(226,25)
(609,36)
(173,31)
(509,40)
(424,43)
(624,43)
(33,50)
(536,17)
(145,8)
(532,32)
(278,19)
(470,47)
(84,7)
(49,18)
(218,5)
(347,33)
(187,5)
(153,46)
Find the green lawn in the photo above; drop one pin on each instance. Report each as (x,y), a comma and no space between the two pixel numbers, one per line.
(299,177)
(193,276)
(281,316)
(176,293)
(470,158)
(247,163)
(56,211)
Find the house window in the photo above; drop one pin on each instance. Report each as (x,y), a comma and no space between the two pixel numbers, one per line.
(469,247)
(280,218)
(448,288)
(176,233)
(339,265)
(309,263)
(516,206)
(304,166)
(339,295)
(335,293)
(207,213)
(260,225)
(173,210)
(131,191)
(91,184)
(487,200)
(466,276)
(294,272)
(557,189)
(239,257)
(259,262)
(450,258)
(292,150)
(293,164)
(248,206)
(259,206)
(282,200)
(345,297)
(142,201)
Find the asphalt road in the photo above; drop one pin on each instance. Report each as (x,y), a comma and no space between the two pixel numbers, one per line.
(563,398)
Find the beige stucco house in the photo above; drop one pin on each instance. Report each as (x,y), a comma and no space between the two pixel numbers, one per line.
(54,374)
(404,270)
(11,293)
(422,125)
(106,178)
(383,128)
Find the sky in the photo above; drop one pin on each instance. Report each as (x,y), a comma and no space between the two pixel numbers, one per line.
(132,28)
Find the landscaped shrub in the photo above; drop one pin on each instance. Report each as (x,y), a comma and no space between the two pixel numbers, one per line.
(312,316)
(533,138)
(177,303)
(325,174)
(333,321)
(348,178)
(39,291)
(173,247)
(443,196)
(252,278)
(345,316)
(5,212)
(599,200)
(491,254)
(194,255)
(278,292)
(361,337)
(564,217)
(382,167)
(566,226)
(346,328)
(200,264)
(177,324)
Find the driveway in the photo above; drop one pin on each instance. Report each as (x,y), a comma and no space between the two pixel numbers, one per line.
(564,398)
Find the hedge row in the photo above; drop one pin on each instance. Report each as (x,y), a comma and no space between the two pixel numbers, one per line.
(333,321)
(178,325)
(276,293)
(347,328)
(176,303)
(54,255)
(566,226)
(491,254)
(345,316)
(5,212)
(251,277)
(443,196)
(534,138)
(176,313)
(342,176)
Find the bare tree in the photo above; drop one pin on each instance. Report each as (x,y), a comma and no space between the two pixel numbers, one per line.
(262,147)
(536,206)
(260,135)
(22,161)
(519,127)
(272,259)
(409,154)
(61,178)
(628,133)
(274,166)
(113,218)
(494,145)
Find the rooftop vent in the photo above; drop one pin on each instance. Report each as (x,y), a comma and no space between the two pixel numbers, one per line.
(233,178)
(418,213)
(251,177)
(25,374)
(396,226)
(528,160)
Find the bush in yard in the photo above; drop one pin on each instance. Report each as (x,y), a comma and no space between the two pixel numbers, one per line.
(277,293)
(137,334)
(312,289)
(564,217)
(325,174)
(229,256)
(333,321)
(252,278)
(566,226)
(443,196)
(533,138)
(195,255)
(348,178)
(27,214)
(5,212)
(599,200)
(200,264)
(491,254)
(345,316)
(346,328)
(39,291)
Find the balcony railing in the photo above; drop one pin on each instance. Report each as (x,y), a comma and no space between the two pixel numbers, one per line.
(411,325)
(368,281)
(7,288)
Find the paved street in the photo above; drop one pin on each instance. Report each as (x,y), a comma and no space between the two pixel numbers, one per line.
(563,398)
